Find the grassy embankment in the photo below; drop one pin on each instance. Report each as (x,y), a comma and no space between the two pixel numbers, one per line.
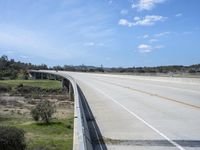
(46,84)
(58,135)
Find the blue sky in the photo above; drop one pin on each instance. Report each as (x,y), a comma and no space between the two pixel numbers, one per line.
(94,32)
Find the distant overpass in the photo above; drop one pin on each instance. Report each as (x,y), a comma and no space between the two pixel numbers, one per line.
(124,112)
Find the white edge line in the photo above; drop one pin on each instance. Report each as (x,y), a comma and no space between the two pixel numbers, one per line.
(142,120)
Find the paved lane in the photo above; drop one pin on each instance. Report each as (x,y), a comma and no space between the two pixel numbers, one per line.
(144,112)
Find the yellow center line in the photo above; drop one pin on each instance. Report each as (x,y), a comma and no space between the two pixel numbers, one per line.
(156,95)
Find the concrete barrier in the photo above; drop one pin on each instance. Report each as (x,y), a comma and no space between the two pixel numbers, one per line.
(81,137)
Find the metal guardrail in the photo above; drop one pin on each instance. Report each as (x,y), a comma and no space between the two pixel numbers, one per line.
(81,137)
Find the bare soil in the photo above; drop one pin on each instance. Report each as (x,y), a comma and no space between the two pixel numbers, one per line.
(20,105)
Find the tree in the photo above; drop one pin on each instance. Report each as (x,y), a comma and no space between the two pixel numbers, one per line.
(12,138)
(23,75)
(43,111)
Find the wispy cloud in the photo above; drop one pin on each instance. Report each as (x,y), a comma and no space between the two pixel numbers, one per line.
(178,15)
(148,20)
(153,40)
(79,31)
(146,4)
(89,44)
(162,34)
(145,21)
(60,30)
(145,36)
(125,22)
(32,43)
(24,56)
(18,38)
(146,48)
(124,12)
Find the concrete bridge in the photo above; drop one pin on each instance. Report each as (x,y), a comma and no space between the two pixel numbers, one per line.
(132,112)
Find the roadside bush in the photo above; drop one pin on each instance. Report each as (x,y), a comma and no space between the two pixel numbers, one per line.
(22,89)
(35,114)
(43,111)
(12,138)
(35,92)
(4,88)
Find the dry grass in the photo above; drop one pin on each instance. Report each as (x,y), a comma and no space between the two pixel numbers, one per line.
(15,111)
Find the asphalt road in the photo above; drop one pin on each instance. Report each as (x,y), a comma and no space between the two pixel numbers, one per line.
(140,113)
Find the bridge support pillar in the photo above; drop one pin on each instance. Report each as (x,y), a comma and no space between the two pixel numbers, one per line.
(32,75)
(67,87)
(71,93)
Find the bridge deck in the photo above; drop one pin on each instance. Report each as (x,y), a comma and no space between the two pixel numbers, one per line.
(143,113)
(135,112)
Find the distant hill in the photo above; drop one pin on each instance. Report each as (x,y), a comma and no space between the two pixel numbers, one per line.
(11,69)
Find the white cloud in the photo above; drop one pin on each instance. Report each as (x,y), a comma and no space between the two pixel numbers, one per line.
(145,36)
(94,44)
(161,34)
(49,40)
(146,4)
(24,56)
(178,15)
(153,40)
(31,43)
(149,20)
(145,21)
(124,12)
(144,48)
(89,44)
(136,18)
(125,22)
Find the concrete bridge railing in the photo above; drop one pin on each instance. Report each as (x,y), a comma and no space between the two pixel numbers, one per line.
(81,135)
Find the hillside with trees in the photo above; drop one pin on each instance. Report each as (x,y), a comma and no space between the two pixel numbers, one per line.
(11,69)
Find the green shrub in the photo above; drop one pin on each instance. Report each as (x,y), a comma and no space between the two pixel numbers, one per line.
(4,88)
(35,92)
(11,138)
(43,111)
(35,114)
(23,75)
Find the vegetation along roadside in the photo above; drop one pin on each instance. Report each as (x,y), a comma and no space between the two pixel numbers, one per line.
(19,97)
